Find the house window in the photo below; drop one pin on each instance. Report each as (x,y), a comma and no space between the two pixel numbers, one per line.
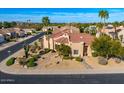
(75,52)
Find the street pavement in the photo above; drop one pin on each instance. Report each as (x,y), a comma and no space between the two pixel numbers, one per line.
(62,79)
(12,49)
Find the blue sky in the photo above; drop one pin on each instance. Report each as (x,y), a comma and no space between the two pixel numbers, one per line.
(82,15)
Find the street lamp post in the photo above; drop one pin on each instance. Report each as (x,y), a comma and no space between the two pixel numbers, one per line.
(9,52)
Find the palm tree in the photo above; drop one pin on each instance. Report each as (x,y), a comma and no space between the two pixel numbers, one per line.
(103,14)
(46,22)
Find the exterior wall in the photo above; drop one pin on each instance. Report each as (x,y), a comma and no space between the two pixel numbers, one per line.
(41,42)
(45,42)
(51,43)
(98,34)
(89,51)
(121,33)
(77,46)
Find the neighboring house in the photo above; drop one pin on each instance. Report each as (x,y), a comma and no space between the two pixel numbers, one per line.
(79,42)
(109,30)
(13,32)
(90,29)
(44,29)
(71,29)
(121,33)
(2,39)
(22,33)
(5,33)
(27,31)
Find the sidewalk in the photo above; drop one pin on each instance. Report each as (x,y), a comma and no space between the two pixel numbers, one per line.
(6,45)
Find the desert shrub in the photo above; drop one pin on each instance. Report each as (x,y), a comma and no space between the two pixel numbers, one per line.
(41,52)
(79,59)
(53,51)
(47,50)
(102,61)
(31,62)
(29,33)
(94,54)
(22,61)
(36,57)
(33,31)
(31,59)
(67,57)
(10,61)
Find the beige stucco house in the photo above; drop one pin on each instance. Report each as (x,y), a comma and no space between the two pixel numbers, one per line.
(79,42)
(109,30)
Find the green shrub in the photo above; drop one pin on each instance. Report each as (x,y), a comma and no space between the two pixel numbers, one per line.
(10,61)
(31,62)
(29,33)
(47,50)
(79,59)
(53,51)
(94,54)
(67,57)
(41,52)
(31,59)
(33,31)
(36,57)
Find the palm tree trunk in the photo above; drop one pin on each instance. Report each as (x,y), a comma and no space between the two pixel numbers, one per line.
(104,22)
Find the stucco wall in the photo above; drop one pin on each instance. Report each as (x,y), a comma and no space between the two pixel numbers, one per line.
(77,46)
(45,42)
(89,51)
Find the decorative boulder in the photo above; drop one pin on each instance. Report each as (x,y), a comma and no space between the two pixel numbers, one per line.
(117,60)
(102,61)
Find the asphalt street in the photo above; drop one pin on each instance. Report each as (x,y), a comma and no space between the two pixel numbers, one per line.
(62,79)
(4,53)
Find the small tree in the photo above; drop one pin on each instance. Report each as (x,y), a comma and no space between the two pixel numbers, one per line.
(63,50)
(121,53)
(115,48)
(26,48)
(101,46)
(106,47)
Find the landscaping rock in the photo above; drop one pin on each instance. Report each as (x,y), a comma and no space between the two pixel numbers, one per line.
(102,61)
(25,67)
(117,60)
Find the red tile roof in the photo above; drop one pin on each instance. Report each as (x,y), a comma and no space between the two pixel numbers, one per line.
(62,40)
(73,37)
(81,37)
